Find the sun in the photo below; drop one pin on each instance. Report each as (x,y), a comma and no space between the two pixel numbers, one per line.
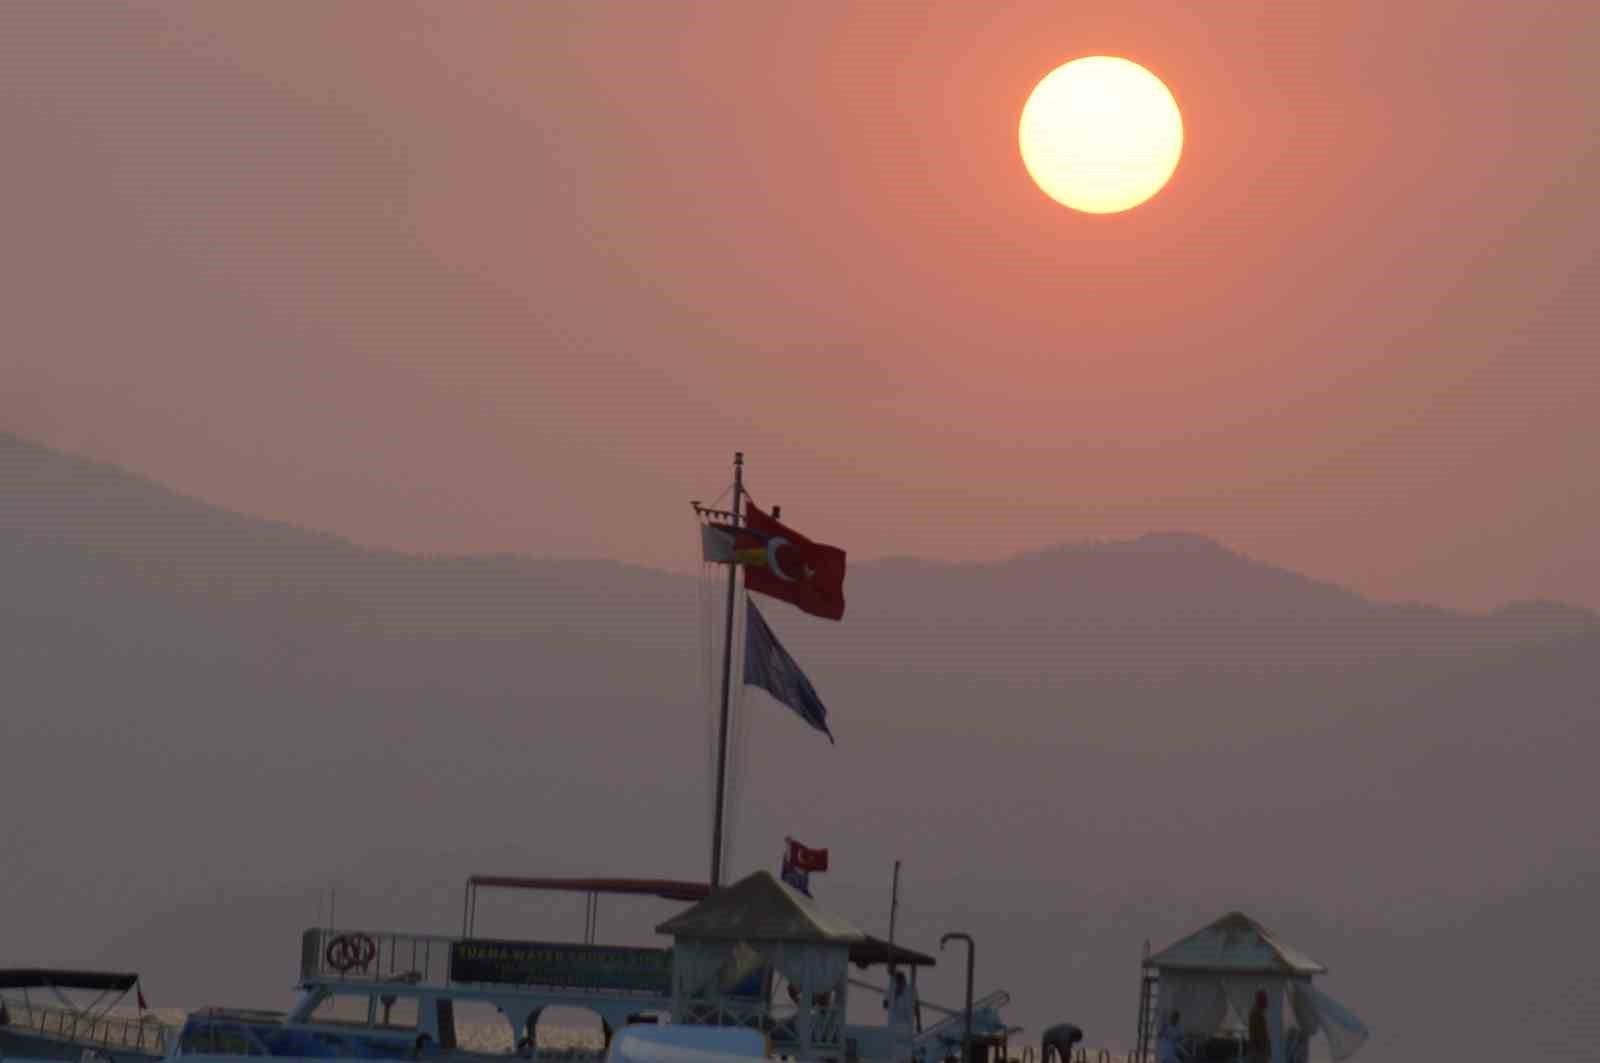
(1100,134)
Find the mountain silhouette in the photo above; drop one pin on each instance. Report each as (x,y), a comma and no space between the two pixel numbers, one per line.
(212,719)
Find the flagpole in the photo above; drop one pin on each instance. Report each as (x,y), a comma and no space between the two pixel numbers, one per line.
(727,684)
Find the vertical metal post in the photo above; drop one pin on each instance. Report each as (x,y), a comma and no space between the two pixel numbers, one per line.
(966,1027)
(727,684)
(894,903)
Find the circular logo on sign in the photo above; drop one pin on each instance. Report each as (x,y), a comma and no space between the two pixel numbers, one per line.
(350,952)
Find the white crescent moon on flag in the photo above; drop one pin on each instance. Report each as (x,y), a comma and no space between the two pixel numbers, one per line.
(772,559)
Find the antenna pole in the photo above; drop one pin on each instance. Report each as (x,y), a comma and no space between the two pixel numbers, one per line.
(894,903)
(727,684)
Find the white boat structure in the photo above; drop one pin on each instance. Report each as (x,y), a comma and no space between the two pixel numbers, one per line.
(757,955)
(686,1044)
(49,1013)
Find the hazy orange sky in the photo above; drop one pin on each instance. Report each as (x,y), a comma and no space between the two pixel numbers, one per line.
(521,277)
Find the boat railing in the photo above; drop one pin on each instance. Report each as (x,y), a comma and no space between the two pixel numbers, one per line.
(375,956)
(1081,1054)
(383,957)
(145,1033)
(950,1026)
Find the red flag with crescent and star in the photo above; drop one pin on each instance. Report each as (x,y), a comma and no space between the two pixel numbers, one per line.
(783,564)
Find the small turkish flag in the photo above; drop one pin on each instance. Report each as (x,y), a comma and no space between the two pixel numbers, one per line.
(805,859)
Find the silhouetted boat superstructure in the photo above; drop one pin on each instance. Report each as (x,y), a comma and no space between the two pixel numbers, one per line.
(757,955)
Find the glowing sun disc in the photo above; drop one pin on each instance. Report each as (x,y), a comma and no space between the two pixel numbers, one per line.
(1100,134)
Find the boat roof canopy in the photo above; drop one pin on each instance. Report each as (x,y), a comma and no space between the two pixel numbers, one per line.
(665,888)
(876,952)
(44,978)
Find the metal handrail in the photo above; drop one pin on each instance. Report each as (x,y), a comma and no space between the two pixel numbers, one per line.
(996,1000)
(396,956)
(109,1031)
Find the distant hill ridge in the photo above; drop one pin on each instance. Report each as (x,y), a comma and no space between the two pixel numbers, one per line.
(125,514)
(1121,628)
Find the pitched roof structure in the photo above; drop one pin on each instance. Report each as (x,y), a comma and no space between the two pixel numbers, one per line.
(1234,944)
(760,908)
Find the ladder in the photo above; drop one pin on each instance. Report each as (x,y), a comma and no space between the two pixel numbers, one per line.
(1147,1015)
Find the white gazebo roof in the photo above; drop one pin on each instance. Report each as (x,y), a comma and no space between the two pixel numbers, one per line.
(1234,944)
(760,908)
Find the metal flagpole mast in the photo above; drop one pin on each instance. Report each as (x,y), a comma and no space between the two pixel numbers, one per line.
(727,684)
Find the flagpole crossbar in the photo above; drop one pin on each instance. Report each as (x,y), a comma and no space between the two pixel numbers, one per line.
(707,513)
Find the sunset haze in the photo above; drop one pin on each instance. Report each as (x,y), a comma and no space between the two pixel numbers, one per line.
(1235,550)
(520,278)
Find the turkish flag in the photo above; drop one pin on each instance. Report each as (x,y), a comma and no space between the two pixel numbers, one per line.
(803,858)
(792,568)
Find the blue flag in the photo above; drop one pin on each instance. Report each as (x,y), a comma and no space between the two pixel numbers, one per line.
(800,880)
(768,665)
